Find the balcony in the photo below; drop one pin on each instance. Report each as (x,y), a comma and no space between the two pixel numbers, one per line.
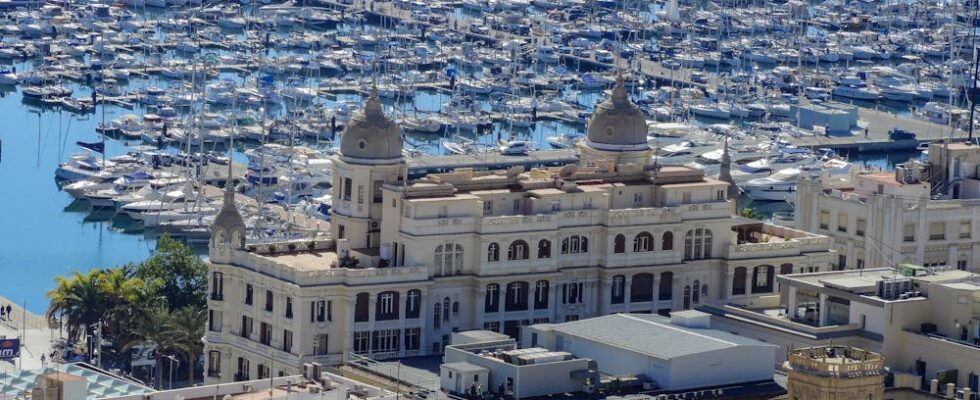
(764,240)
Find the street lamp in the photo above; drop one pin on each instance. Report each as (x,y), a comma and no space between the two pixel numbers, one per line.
(172,361)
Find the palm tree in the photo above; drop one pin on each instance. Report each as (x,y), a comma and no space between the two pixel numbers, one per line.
(153,329)
(79,300)
(188,330)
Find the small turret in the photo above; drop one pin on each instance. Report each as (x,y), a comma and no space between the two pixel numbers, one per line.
(228,229)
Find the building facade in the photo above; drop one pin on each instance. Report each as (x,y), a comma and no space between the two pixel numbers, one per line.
(409,262)
(923,213)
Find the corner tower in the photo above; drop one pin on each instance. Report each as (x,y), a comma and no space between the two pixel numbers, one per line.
(617,132)
(370,155)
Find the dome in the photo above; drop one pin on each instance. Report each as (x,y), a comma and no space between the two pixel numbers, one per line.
(617,123)
(370,137)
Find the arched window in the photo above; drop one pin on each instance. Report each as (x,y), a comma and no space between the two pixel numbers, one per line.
(643,242)
(541,289)
(696,292)
(221,235)
(449,258)
(517,250)
(493,252)
(786,269)
(668,241)
(666,286)
(641,288)
(445,309)
(738,281)
(544,248)
(492,301)
(762,279)
(575,244)
(516,296)
(697,244)
(455,307)
(619,244)
(413,298)
(361,312)
(687,297)
(386,306)
(618,293)
(437,315)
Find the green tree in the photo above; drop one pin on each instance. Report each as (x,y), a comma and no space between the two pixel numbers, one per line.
(180,274)
(749,212)
(79,301)
(188,328)
(155,330)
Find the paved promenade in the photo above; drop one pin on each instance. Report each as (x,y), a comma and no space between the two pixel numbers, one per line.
(36,336)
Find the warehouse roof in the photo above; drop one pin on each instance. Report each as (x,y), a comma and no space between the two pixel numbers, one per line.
(653,335)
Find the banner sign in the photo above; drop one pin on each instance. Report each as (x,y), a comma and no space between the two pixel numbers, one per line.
(9,348)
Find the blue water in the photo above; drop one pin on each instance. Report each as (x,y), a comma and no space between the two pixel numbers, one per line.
(38,238)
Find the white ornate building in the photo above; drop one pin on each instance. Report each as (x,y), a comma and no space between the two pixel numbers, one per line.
(410,262)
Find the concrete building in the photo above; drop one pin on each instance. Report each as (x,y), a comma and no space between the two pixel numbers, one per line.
(922,213)
(834,373)
(674,354)
(410,261)
(495,364)
(837,118)
(924,321)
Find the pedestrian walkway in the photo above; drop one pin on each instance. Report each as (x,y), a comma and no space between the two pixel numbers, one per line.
(36,337)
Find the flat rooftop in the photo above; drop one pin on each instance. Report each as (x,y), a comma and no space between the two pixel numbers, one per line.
(653,335)
(303,260)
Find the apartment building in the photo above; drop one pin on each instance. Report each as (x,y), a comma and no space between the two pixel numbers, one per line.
(922,213)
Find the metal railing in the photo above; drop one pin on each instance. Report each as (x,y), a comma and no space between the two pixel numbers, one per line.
(392,370)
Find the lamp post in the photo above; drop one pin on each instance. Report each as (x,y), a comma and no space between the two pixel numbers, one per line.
(172,361)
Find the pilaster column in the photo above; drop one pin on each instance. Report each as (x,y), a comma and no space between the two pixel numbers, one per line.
(480,304)
(349,327)
(605,296)
(425,311)
(749,275)
(626,292)
(553,304)
(402,296)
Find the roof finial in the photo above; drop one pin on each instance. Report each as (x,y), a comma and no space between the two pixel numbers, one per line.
(373,105)
(619,95)
(229,200)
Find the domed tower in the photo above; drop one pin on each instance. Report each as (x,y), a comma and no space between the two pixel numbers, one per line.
(370,154)
(617,131)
